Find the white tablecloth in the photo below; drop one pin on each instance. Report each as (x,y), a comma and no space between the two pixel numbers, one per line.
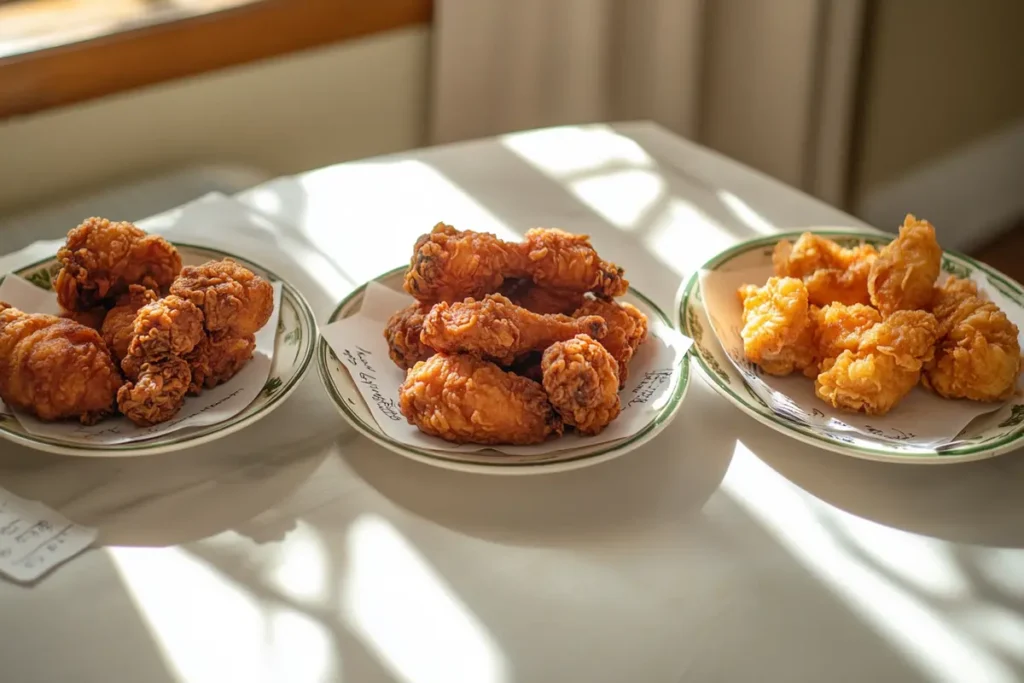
(722,551)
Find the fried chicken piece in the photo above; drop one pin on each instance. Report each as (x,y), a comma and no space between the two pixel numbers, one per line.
(155,391)
(978,354)
(402,334)
(830,272)
(451,265)
(119,322)
(496,329)
(885,366)
(463,399)
(235,301)
(627,329)
(92,317)
(100,259)
(171,326)
(582,381)
(903,276)
(528,366)
(777,331)
(55,368)
(215,362)
(523,292)
(839,328)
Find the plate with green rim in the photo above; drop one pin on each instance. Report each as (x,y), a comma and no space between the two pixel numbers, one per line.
(293,353)
(353,408)
(987,436)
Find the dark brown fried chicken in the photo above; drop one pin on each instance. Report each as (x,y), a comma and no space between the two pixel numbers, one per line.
(100,259)
(235,302)
(55,368)
(627,329)
(215,362)
(523,292)
(582,381)
(496,329)
(402,334)
(170,326)
(119,322)
(463,399)
(155,391)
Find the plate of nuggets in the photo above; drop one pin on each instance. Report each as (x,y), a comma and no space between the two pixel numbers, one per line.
(877,346)
(505,357)
(125,344)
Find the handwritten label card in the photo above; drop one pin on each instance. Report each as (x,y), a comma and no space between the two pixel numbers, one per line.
(34,539)
(359,343)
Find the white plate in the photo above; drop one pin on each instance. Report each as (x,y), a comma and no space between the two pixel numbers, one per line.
(293,351)
(987,436)
(350,403)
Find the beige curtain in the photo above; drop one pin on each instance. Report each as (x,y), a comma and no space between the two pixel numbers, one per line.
(769,83)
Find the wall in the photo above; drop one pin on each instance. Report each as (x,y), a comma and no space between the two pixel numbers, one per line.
(351,100)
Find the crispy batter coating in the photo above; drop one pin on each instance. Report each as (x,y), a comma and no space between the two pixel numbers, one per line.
(235,301)
(55,368)
(839,328)
(627,329)
(831,273)
(523,292)
(402,334)
(903,276)
(463,399)
(978,354)
(561,260)
(496,329)
(91,317)
(777,331)
(171,326)
(100,259)
(582,381)
(885,366)
(119,322)
(155,391)
(215,362)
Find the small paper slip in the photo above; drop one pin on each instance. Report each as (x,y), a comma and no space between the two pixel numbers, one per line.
(922,419)
(34,539)
(359,342)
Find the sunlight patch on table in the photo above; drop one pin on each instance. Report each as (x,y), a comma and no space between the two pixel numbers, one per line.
(301,650)
(419,629)
(1002,568)
(572,150)
(300,571)
(743,211)
(621,197)
(999,626)
(683,237)
(939,650)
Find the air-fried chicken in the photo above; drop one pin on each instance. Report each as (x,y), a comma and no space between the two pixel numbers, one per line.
(463,399)
(119,322)
(582,381)
(402,334)
(100,259)
(496,329)
(55,368)
(777,331)
(627,329)
(830,272)
(978,354)
(904,274)
(235,302)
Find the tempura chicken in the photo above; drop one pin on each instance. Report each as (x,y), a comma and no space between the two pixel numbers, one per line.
(402,334)
(101,259)
(155,391)
(581,379)
(496,329)
(978,354)
(904,274)
(777,331)
(55,368)
(119,322)
(235,302)
(451,265)
(463,399)
(627,329)
(830,272)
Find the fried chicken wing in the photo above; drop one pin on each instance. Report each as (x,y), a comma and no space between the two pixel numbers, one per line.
(100,259)
(451,265)
(463,399)
(235,301)
(402,334)
(496,329)
(978,354)
(171,326)
(885,366)
(55,368)
(627,329)
(582,381)
(119,322)
(904,274)
(215,362)
(777,331)
(155,391)
(830,272)
(523,292)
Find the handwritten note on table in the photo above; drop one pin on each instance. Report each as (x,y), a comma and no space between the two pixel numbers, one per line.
(34,539)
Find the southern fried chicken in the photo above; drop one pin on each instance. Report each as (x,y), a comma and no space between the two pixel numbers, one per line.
(903,276)
(451,265)
(883,368)
(523,292)
(171,326)
(91,317)
(777,332)
(582,381)
(119,322)
(978,354)
(215,362)
(839,328)
(55,368)
(528,366)
(830,272)
(100,259)
(402,334)
(496,329)
(463,399)
(627,329)
(155,391)
(235,302)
